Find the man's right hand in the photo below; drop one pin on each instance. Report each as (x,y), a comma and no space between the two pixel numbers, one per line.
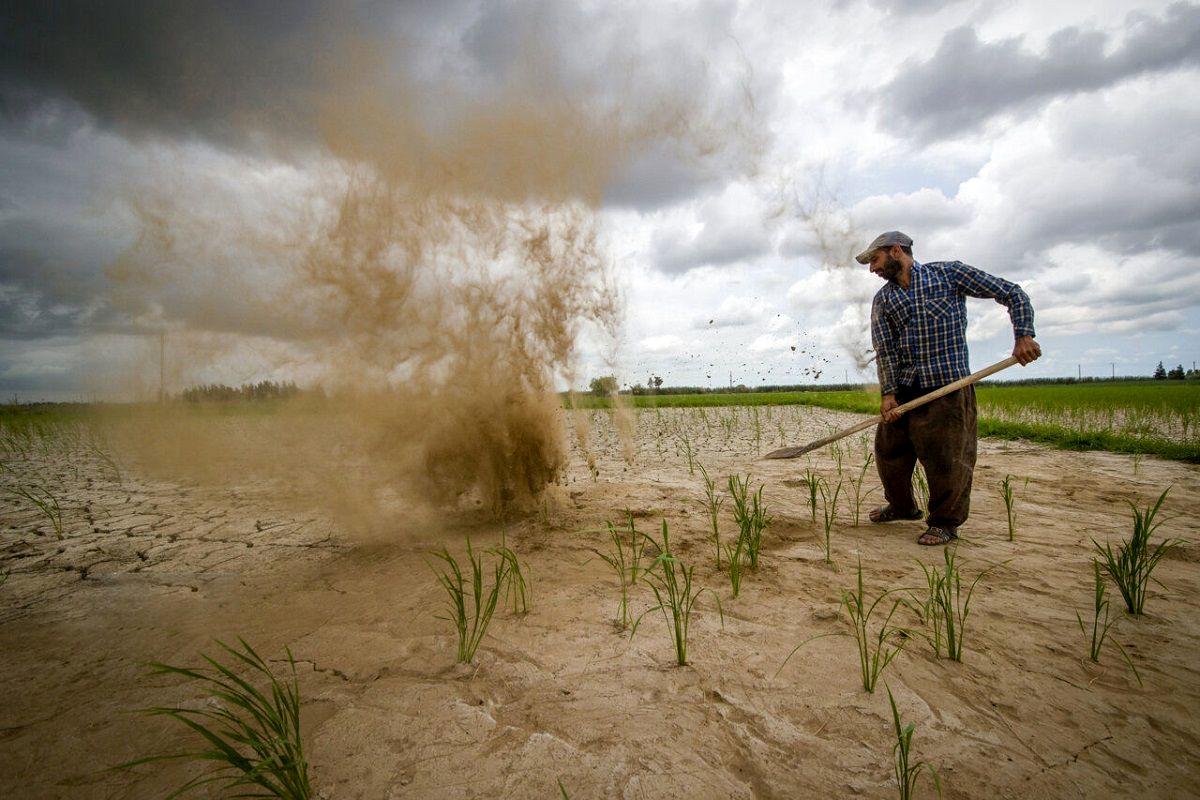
(888,408)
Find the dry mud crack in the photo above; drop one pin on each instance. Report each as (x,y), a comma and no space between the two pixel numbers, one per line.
(152,570)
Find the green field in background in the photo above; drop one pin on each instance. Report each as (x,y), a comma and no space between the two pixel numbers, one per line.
(1179,396)
(1077,416)
(1083,401)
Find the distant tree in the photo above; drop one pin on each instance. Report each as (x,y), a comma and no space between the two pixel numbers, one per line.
(1192,374)
(219,392)
(637,388)
(655,382)
(1160,373)
(1176,374)
(603,386)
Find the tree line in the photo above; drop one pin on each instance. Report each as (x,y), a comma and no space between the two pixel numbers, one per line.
(607,385)
(220,393)
(1161,373)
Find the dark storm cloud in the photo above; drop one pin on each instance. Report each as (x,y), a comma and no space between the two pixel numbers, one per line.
(220,71)
(968,81)
(658,178)
(257,75)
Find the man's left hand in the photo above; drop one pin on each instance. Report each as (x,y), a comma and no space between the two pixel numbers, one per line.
(1026,350)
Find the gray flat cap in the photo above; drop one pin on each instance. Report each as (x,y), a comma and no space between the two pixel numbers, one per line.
(883,240)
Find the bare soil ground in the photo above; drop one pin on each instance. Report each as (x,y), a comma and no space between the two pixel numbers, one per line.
(155,570)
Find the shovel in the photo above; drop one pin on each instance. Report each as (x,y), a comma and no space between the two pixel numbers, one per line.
(792,452)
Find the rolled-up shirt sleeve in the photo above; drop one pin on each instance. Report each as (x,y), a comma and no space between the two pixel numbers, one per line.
(977,283)
(883,339)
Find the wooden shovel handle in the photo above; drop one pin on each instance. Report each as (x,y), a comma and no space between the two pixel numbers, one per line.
(792,452)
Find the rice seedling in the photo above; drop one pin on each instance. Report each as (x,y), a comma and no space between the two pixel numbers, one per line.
(750,515)
(907,771)
(672,587)
(1006,494)
(838,456)
(97,450)
(739,488)
(812,482)
(712,505)
(1131,565)
(877,644)
(758,522)
(516,581)
(736,553)
(928,610)
(45,502)
(875,651)
(920,488)
(829,502)
(947,606)
(856,484)
(734,562)
(757,430)
(470,620)
(728,422)
(252,734)
(1101,624)
(626,563)
(685,441)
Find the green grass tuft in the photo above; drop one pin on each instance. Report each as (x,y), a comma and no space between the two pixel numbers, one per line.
(1133,562)
(907,771)
(671,581)
(252,734)
(471,605)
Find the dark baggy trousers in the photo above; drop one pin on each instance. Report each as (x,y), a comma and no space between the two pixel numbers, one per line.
(941,435)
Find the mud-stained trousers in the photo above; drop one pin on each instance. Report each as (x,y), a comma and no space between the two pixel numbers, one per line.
(942,436)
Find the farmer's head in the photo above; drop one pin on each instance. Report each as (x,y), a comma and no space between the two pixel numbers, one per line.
(888,255)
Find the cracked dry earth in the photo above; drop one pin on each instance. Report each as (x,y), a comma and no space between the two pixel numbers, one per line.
(155,570)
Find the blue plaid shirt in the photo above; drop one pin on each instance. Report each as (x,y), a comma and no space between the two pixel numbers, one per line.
(920,333)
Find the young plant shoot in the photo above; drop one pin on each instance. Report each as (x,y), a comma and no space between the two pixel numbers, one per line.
(877,644)
(947,605)
(671,581)
(1006,494)
(252,734)
(516,578)
(471,605)
(1133,562)
(829,501)
(907,771)
(625,560)
(712,506)
(1102,624)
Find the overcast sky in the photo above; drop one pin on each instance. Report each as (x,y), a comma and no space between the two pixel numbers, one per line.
(1056,145)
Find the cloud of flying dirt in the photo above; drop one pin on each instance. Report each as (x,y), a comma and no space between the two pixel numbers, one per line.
(432,269)
(834,239)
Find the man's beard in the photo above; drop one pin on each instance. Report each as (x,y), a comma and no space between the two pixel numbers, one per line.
(891,268)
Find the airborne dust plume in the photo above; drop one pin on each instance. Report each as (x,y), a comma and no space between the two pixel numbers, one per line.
(431,276)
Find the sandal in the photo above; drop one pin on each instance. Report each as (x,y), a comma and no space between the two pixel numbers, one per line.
(889,514)
(934,536)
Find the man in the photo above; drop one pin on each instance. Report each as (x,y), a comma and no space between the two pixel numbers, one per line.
(918,329)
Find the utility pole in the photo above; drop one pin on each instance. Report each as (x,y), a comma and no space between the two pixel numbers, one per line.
(1114,366)
(846,376)
(162,370)
(731,380)
(1078,372)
